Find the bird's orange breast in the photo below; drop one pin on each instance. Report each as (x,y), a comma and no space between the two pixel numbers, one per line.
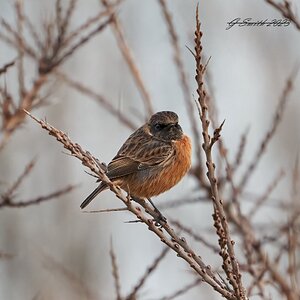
(165,177)
(181,163)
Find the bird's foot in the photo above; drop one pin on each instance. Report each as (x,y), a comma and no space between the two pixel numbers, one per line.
(160,219)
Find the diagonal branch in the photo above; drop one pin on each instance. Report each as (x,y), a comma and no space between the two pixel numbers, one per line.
(286,10)
(7,66)
(166,234)
(128,56)
(150,269)
(183,290)
(8,196)
(105,103)
(270,133)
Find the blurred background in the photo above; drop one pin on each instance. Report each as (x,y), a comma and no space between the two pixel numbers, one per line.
(59,252)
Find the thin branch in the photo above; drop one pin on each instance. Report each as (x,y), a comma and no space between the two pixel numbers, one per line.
(150,269)
(8,195)
(286,10)
(32,30)
(105,103)
(85,26)
(115,271)
(183,290)
(20,64)
(38,200)
(230,264)
(106,210)
(262,199)
(46,66)
(7,66)
(247,233)
(13,119)
(183,202)
(292,234)
(270,133)
(15,39)
(195,236)
(64,25)
(77,285)
(128,56)
(241,150)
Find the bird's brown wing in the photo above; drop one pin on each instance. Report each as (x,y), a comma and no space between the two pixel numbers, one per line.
(139,152)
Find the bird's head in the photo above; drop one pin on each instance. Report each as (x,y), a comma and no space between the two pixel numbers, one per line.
(164,126)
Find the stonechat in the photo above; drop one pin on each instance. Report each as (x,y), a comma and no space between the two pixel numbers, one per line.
(152,160)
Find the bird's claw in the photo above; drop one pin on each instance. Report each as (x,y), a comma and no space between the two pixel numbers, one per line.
(160,220)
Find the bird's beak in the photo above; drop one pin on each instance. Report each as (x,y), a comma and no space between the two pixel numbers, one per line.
(176,126)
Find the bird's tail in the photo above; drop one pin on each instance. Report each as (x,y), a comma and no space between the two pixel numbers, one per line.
(102,186)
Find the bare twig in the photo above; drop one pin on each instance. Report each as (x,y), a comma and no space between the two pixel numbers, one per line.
(195,236)
(20,25)
(128,56)
(13,117)
(105,210)
(183,290)
(241,149)
(230,264)
(270,133)
(286,10)
(133,294)
(32,30)
(47,65)
(78,286)
(115,271)
(182,202)
(292,234)
(8,195)
(85,26)
(15,39)
(39,199)
(105,103)
(261,200)
(251,242)
(7,66)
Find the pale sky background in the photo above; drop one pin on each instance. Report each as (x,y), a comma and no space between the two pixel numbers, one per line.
(249,67)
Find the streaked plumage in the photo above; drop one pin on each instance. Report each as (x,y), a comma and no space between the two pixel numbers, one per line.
(152,160)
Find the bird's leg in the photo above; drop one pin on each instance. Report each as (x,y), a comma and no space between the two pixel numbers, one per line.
(160,215)
(138,200)
(159,218)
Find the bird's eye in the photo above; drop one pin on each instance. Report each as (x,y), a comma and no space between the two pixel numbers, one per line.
(159,126)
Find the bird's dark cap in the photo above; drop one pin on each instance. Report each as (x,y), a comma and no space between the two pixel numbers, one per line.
(164,117)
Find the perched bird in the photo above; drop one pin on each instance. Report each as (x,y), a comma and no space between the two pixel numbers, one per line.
(152,160)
